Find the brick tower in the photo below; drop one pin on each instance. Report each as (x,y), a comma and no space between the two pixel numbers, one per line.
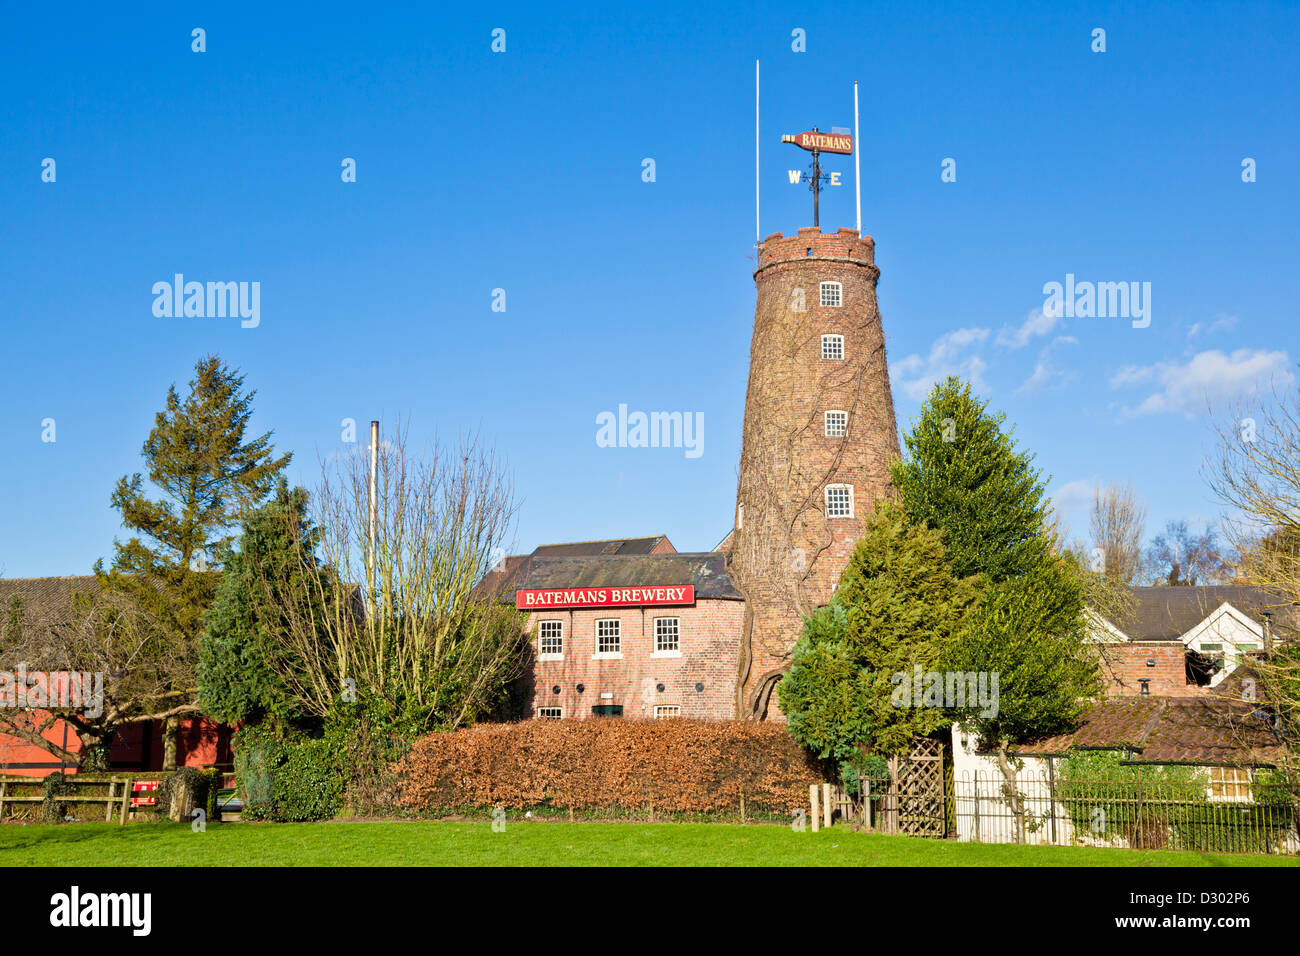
(818,438)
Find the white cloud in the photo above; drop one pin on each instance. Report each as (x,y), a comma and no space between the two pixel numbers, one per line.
(914,375)
(1074,493)
(1221,323)
(1036,323)
(1208,376)
(1046,372)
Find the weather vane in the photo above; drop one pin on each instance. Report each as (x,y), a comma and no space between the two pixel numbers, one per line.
(817,142)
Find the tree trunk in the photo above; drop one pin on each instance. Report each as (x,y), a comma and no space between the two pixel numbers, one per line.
(94,750)
(171,728)
(1010,793)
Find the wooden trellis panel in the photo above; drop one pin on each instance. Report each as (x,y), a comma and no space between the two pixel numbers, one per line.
(915,803)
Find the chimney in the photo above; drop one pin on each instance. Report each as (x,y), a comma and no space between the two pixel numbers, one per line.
(1268,633)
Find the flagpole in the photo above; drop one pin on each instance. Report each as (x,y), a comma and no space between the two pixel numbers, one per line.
(857,153)
(758,235)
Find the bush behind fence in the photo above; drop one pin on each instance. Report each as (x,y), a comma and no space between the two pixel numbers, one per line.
(1124,812)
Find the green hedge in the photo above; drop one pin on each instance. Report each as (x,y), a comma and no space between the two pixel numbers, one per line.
(287,780)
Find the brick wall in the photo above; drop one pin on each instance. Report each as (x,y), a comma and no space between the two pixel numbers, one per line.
(787,556)
(1124,667)
(709,634)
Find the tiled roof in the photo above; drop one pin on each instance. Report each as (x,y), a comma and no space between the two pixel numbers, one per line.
(44,600)
(1167,613)
(610,546)
(1171,730)
(707,571)
(507,578)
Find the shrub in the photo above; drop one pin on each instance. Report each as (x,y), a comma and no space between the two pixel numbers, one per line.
(673,766)
(308,785)
(287,779)
(1168,807)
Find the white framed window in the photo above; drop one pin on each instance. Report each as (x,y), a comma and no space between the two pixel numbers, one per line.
(1230,783)
(667,710)
(550,713)
(832,294)
(833,347)
(550,640)
(839,501)
(609,638)
(837,423)
(668,631)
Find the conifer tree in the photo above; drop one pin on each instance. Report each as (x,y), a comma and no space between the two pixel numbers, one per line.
(898,605)
(964,476)
(241,655)
(209,473)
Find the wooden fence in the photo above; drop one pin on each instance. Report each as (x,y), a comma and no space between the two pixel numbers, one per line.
(114,792)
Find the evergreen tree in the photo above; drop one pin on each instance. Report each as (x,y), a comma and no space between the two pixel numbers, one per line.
(964,476)
(209,474)
(242,650)
(898,605)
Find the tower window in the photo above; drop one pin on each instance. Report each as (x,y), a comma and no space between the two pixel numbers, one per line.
(832,294)
(837,424)
(839,501)
(550,640)
(833,347)
(609,641)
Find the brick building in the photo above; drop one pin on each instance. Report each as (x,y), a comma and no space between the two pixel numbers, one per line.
(1187,642)
(629,635)
(819,433)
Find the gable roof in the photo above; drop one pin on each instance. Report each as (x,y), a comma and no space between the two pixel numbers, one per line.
(1167,613)
(1199,730)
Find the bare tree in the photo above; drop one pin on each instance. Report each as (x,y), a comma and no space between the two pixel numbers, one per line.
(410,622)
(1255,472)
(98,663)
(1180,556)
(1117,524)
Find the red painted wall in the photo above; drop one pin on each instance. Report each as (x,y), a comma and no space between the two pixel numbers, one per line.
(200,743)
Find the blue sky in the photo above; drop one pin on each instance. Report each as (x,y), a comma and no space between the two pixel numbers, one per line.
(522,171)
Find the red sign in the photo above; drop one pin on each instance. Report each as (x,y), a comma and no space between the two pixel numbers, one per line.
(537,599)
(824,142)
(144,786)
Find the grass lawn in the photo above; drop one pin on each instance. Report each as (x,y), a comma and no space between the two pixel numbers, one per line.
(539,844)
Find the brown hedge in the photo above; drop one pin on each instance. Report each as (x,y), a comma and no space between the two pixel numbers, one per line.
(687,766)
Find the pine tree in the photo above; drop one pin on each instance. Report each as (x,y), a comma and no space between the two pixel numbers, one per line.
(209,475)
(964,476)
